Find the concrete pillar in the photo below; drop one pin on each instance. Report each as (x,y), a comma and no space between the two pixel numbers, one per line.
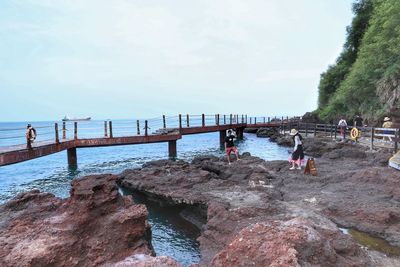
(72,158)
(172,149)
(239,133)
(222,135)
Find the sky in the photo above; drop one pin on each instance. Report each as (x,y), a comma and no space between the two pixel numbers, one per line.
(128,59)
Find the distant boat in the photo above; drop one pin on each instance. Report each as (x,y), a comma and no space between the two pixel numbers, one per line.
(66,118)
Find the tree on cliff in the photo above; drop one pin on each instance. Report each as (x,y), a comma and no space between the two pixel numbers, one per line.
(366,76)
(336,73)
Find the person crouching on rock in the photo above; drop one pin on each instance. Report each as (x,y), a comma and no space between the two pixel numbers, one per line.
(297,157)
(230,146)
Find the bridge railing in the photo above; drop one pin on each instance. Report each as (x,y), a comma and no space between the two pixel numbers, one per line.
(377,137)
(14,133)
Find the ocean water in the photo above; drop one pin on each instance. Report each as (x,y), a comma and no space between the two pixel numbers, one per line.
(171,236)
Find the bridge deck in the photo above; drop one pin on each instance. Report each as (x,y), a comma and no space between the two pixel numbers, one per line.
(18,153)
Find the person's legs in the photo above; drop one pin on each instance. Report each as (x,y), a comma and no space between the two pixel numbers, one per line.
(236,153)
(28,144)
(293,166)
(228,154)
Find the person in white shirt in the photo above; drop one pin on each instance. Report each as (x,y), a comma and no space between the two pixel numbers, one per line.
(342,127)
(297,157)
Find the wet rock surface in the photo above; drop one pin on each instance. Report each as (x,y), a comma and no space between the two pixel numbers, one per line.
(353,189)
(95,226)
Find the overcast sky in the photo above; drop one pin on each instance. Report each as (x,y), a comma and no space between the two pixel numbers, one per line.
(138,59)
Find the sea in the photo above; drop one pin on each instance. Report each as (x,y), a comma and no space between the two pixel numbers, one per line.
(172,236)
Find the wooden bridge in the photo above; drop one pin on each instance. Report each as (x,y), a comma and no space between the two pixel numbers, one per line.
(62,139)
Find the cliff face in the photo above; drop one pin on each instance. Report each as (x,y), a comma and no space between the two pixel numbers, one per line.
(365,78)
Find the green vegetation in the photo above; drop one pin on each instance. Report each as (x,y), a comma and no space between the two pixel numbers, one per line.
(365,77)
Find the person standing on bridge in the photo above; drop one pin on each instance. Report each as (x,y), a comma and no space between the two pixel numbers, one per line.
(387,124)
(230,146)
(342,127)
(30,136)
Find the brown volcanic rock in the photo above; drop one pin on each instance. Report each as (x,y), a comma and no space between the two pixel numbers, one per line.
(142,260)
(94,226)
(292,243)
(247,192)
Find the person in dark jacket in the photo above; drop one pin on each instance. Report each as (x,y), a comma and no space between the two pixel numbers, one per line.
(297,157)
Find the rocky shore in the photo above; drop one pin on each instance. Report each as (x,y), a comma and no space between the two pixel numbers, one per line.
(96,226)
(260,213)
(252,213)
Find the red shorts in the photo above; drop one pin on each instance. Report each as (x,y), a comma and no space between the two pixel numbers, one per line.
(231,149)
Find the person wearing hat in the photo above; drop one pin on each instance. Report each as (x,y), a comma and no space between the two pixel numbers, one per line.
(30,136)
(297,157)
(387,124)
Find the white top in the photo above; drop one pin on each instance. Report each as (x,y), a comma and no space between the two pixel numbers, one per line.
(342,123)
(297,142)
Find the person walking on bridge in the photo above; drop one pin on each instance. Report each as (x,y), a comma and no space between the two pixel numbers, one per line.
(30,136)
(342,127)
(230,146)
(387,124)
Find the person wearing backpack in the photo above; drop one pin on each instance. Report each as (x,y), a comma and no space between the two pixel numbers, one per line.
(297,157)
(30,136)
(342,127)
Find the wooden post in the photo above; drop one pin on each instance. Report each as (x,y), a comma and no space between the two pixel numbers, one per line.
(72,158)
(250,120)
(330,126)
(187,120)
(396,137)
(64,130)
(75,130)
(224,119)
(230,119)
(217,119)
(164,122)
(180,121)
(110,128)
(372,138)
(242,118)
(315,130)
(246,118)
(203,120)
(264,119)
(138,127)
(222,135)
(269,119)
(56,131)
(255,120)
(172,149)
(336,128)
(105,129)
(145,128)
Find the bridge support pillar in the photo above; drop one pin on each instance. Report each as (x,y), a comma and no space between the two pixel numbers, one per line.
(239,133)
(72,159)
(172,149)
(222,135)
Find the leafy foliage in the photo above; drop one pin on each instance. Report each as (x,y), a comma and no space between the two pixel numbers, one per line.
(369,58)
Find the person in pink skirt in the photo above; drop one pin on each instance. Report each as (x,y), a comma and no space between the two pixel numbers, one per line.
(297,158)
